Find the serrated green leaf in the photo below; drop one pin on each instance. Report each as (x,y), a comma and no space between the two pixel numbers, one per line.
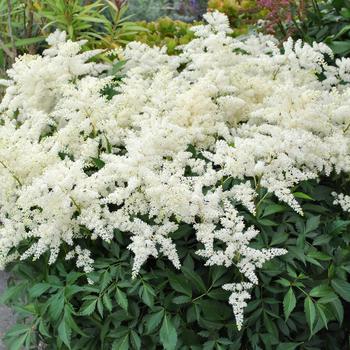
(319,255)
(88,307)
(279,238)
(194,278)
(323,316)
(283,282)
(121,298)
(12,292)
(267,222)
(73,276)
(17,330)
(209,345)
(147,294)
(338,310)
(273,209)
(342,288)
(39,289)
(28,41)
(216,273)
(100,306)
(68,311)
(43,329)
(337,227)
(310,312)
(153,321)
(56,305)
(312,224)
(288,346)
(107,302)
(321,291)
(168,334)
(18,342)
(135,340)
(182,299)
(179,283)
(64,332)
(289,303)
(121,344)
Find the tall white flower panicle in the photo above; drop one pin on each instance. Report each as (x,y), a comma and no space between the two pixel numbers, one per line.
(238,299)
(79,153)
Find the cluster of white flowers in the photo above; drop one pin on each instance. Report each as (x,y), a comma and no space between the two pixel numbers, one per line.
(343,200)
(74,160)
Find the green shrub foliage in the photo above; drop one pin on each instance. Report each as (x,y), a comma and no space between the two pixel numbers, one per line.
(164,32)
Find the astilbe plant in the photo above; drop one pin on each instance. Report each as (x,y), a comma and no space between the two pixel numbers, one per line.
(159,149)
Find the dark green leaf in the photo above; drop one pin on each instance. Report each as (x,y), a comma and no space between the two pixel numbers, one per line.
(180,284)
(273,209)
(121,299)
(168,334)
(342,288)
(135,340)
(56,305)
(64,332)
(338,310)
(288,346)
(321,291)
(38,289)
(107,302)
(88,307)
(312,224)
(122,343)
(147,294)
(194,278)
(154,320)
(323,316)
(310,312)
(182,299)
(18,342)
(289,303)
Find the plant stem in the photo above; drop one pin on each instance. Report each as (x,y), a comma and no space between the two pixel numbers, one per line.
(7,50)
(9,24)
(11,172)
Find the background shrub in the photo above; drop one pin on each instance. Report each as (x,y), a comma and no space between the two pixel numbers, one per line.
(329,22)
(164,32)
(242,14)
(311,20)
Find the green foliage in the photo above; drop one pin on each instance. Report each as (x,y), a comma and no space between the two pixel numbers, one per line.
(320,21)
(25,24)
(300,302)
(73,16)
(19,31)
(102,23)
(242,14)
(165,32)
(329,22)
